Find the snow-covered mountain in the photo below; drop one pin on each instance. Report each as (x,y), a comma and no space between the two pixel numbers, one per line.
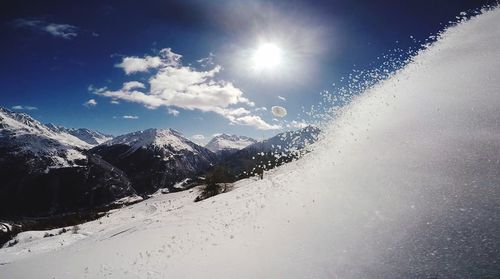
(289,141)
(155,158)
(271,152)
(229,143)
(20,133)
(89,136)
(45,172)
(154,138)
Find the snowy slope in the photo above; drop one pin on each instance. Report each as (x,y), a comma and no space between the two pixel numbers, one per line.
(404,185)
(91,137)
(228,142)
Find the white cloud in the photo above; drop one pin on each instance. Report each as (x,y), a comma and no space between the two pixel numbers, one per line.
(148,101)
(278,111)
(136,64)
(236,112)
(133,85)
(173,112)
(261,109)
(175,85)
(19,107)
(114,102)
(170,58)
(93,89)
(255,121)
(207,61)
(297,124)
(184,87)
(198,137)
(241,116)
(65,31)
(130,117)
(90,103)
(282,98)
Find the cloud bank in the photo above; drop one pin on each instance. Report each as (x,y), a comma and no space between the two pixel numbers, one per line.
(175,86)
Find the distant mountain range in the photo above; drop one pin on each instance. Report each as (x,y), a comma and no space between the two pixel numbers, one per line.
(48,170)
(269,153)
(228,143)
(86,135)
(156,158)
(44,172)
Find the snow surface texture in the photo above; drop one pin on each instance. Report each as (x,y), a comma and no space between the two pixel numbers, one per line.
(404,185)
(228,142)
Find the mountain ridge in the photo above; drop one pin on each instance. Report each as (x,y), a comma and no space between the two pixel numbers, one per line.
(89,136)
(38,157)
(45,172)
(231,143)
(156,158)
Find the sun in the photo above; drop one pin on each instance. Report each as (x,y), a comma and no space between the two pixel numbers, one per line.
(267,56)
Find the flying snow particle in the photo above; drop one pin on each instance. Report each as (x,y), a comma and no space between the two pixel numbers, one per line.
(278,111)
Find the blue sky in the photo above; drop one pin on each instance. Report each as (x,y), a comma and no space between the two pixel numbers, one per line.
(192,63)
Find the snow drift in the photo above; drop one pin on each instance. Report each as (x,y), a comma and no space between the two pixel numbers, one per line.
(404,185)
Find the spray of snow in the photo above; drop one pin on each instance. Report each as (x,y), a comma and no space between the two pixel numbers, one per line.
(279,111)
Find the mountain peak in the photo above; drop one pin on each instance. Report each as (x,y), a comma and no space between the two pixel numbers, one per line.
(23,135)
(89,136)
(153,137)
(228,142)
(289,141)
(20,125)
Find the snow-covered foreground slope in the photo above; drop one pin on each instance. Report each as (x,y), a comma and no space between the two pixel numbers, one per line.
(404,185)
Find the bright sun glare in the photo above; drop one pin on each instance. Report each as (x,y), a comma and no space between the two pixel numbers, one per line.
(267,56)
